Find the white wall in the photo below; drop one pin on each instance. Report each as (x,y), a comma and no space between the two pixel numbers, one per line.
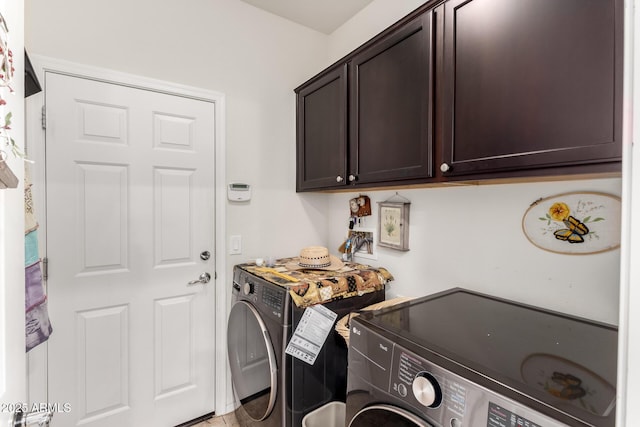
(377,16)
(12,362)
(472,237)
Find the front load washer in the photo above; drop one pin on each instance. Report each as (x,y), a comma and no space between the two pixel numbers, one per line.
(465,359)
(274,388)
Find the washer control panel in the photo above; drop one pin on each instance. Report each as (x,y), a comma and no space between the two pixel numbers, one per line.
(441,397)
(249,287)
(435,391)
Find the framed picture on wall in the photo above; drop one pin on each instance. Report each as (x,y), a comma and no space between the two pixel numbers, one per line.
(363,241)
(393,225)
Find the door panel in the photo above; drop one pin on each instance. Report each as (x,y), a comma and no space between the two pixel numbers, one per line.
(103,376)
(322,132)
(172,215)
(102,215)
(391,106)
(174,346)
(130,196)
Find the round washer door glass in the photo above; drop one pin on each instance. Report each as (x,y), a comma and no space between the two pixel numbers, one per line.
(252,361)
(386,416)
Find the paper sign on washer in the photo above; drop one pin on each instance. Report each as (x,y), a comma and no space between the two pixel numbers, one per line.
(311,333)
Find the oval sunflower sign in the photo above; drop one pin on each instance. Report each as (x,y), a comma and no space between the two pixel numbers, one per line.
(574,223)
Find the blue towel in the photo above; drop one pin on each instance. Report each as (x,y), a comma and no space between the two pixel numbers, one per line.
(31,254)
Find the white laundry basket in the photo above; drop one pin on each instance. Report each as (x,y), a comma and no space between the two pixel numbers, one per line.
(332,414)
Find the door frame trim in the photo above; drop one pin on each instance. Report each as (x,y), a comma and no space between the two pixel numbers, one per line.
(36,145)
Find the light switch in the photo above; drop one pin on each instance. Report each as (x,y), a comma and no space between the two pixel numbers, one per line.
(235,244)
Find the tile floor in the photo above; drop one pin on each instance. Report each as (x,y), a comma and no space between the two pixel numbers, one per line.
(227,420)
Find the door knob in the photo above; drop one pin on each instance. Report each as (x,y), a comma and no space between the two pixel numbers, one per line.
(204,279)
(24,419)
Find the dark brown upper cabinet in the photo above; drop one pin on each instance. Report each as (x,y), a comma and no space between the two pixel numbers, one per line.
(375,128)
(531,84)
(390,107)
(322,131)
(469,90)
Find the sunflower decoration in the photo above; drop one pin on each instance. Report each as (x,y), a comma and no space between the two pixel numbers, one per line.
(573,230)
(559,211)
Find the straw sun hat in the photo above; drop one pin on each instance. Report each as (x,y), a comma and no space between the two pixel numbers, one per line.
(315,258)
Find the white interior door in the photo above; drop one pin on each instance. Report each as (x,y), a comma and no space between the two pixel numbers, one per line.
(130,210)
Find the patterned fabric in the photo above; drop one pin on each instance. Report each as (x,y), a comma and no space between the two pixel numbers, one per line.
(30,223)
(33,287)
(38,327)
(309,287)
(37,324)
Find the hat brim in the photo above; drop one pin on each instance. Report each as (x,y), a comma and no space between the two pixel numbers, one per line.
(335,265)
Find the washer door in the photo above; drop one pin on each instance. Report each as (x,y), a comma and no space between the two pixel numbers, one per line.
(386,416)
(253,363)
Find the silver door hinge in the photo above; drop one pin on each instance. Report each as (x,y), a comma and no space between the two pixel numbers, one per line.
(45,268)
(44,117)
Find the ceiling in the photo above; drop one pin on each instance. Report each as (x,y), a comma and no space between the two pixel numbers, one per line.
(321,15)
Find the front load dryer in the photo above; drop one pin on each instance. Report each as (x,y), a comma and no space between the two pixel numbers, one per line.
(273,388)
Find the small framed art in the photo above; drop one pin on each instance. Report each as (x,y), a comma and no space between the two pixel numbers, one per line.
(363,241)
(393,225)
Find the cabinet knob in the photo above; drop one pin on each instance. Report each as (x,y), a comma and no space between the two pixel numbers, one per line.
(445,167)
(352,178)
(339,178)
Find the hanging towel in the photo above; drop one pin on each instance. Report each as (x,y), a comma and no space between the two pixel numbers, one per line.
(33,287)
(31,254)
(37,325)
(30,223)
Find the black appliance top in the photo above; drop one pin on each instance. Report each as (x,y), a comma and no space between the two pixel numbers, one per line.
(562,361)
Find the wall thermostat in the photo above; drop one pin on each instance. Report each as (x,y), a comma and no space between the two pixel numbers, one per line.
(239,192)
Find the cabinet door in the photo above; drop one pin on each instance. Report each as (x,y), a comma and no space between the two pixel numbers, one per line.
(391,106)
(531,84)
(322,131)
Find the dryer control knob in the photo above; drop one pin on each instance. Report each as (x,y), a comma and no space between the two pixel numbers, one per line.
(247,288)
(426,390)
